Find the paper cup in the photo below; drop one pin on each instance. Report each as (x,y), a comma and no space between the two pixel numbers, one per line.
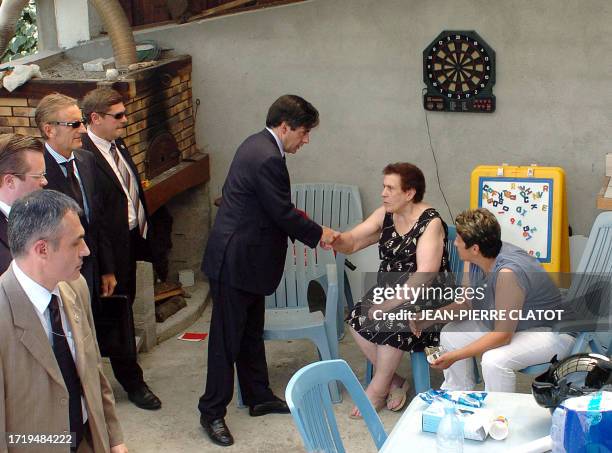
(499,428)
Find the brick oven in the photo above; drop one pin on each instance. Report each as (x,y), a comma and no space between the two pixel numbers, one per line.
(161,138)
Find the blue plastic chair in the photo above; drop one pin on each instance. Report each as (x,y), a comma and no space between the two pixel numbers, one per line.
(312,411)
(337,206)
(418,360)
(288,316)
(595,267)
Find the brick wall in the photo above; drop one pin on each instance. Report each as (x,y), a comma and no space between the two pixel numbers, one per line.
(168,107)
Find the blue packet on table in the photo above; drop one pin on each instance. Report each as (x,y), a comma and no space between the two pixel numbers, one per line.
(470,399)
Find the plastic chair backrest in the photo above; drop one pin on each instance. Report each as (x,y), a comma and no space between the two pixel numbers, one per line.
(302,265)
(593,280)
(337,206)
(456,265)
(308,399)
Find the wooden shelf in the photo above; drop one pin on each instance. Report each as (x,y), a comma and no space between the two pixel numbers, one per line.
(604,202)
(177,179)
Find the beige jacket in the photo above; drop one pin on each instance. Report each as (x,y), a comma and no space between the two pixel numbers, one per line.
(33,396)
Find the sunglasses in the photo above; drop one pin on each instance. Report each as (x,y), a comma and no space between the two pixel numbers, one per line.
(117,115)
(72,124)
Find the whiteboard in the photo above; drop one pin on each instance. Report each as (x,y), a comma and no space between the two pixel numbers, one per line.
(523,208)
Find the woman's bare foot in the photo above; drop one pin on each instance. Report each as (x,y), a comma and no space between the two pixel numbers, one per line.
(377,400)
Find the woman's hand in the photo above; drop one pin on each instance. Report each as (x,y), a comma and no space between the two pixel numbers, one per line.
(416,326)
(445,360)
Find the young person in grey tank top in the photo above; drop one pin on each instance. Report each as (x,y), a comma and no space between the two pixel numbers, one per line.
(507,320)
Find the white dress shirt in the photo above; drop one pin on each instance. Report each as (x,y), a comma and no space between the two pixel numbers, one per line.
(40,298)
(6,209)
(104,147)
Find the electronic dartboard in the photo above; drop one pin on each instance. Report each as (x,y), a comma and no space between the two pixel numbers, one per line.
(459,71)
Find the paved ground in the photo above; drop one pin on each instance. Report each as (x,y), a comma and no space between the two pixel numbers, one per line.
(175,370)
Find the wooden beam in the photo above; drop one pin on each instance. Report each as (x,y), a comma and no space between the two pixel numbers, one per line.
(219,9)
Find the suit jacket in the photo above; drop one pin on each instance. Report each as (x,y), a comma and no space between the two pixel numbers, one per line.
(33,396)
(95,236)
(5,251)
(116,222)
(248,242)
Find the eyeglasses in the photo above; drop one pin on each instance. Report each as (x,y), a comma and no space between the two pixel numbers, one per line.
(117,115)
(33,175)
(72,124)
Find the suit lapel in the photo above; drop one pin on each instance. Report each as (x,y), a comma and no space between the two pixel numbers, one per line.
(74,315)
(3,230)
(86,175)
(55,176)
(29,329)
(100,160)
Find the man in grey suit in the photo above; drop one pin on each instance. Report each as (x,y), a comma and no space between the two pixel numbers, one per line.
(51,380)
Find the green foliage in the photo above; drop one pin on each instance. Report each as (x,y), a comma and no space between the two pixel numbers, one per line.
(25,41)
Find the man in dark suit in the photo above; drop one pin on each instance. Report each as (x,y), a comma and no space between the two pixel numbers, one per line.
(51,378)
(71,170)
(22,170)
(126,218)
(244,260)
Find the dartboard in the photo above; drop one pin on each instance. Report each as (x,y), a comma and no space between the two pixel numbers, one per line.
(459,70)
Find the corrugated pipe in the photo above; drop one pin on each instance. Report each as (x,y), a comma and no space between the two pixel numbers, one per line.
(10,12)
(119,31)
(113,16)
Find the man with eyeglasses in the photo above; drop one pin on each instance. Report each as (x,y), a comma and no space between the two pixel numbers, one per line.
(126,215)
(71,170)
(22,170)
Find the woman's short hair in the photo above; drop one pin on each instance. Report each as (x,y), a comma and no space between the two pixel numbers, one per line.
(411,177)
(480,227)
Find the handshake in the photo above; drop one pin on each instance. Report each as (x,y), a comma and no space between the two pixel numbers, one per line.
(328,238)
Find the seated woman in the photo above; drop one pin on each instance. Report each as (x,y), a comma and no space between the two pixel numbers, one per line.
(411,238)
(509,279)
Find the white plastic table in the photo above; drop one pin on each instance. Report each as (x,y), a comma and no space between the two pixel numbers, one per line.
(526,421)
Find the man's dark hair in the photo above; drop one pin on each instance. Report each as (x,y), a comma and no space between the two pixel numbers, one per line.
(480,227)
(38,216)
(99,100)
(293,110)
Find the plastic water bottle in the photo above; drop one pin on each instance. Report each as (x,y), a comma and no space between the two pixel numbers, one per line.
(450,432)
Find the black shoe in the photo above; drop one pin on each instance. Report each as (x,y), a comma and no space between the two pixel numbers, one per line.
(217,431)
(276,406)
(144,398)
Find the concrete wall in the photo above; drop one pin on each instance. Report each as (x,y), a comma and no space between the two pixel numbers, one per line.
(360,63)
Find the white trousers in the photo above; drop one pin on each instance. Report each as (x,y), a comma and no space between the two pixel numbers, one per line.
(526,348)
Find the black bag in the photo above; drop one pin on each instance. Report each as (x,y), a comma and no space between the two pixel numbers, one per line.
(115,327)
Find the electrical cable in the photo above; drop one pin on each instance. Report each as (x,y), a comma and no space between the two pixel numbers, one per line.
(436,164)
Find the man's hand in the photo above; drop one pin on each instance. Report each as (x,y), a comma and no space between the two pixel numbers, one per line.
(108,285)
(328,237)
(445,360)
(121,448)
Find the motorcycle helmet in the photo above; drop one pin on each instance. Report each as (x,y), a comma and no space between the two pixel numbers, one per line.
(576,375)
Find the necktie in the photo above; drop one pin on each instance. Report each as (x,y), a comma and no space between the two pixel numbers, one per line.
(73,183)
(68,369)
(132,187)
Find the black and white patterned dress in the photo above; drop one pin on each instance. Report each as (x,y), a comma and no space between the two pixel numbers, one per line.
(398,260)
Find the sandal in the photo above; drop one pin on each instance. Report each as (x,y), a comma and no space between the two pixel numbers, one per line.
(398,393)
